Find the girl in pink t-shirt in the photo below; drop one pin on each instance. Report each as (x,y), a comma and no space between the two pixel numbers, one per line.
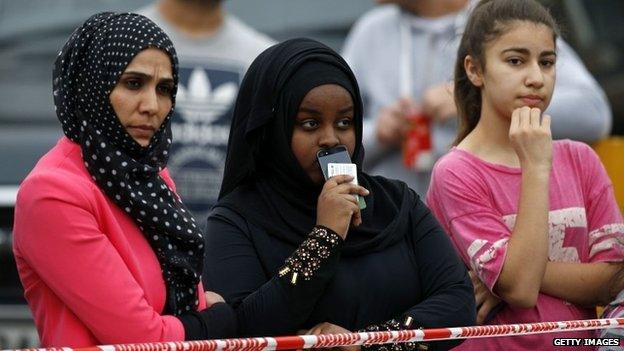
(535,220)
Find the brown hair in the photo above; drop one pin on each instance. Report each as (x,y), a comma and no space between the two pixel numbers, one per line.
(489,20)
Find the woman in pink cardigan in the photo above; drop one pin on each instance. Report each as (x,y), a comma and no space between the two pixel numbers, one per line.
(105,250)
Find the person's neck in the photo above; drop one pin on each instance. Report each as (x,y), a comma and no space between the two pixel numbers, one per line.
(433,8)
(193,18)
(490,140)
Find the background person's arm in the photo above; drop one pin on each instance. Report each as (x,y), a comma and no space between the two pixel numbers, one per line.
(579,106)
(357,44)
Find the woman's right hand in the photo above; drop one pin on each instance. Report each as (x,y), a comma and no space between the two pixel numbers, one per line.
(337,207)
(212,298)
(531,138)
(486,301)
(329,328)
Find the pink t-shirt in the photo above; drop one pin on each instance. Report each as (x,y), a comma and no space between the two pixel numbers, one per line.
(89,275)
(477,203)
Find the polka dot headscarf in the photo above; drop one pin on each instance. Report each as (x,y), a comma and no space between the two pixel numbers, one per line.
(86,71)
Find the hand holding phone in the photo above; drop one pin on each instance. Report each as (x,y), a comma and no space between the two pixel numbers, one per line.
(338,204)
(337,208)
(336,161)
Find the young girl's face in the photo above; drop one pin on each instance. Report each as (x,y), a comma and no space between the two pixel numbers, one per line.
(519,69)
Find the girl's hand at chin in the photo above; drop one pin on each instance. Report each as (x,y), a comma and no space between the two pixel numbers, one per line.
(531,138)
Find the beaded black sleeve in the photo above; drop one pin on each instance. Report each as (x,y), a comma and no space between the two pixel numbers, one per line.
(309,257)
(391,325)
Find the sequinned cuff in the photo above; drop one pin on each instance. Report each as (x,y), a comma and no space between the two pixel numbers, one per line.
(391,325)
(307,259)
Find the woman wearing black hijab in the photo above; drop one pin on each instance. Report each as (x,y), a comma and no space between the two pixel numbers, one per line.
(105,250)
(391,266)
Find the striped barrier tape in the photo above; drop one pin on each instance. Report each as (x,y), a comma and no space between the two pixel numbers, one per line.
(363,338)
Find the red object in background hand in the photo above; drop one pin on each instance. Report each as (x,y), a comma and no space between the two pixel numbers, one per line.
(417,146)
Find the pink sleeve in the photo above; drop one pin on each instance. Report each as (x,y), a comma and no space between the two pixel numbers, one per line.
(62,241)
(461,202)
(604,220)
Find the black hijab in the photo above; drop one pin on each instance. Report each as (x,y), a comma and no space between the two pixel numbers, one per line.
(263,181)
(85,72)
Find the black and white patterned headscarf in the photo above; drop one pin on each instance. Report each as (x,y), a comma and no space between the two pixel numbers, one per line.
(85,72)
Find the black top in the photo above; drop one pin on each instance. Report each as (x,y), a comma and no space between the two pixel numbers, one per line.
(420,276)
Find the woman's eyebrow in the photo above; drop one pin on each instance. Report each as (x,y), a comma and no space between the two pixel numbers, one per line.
(346,109)
(526,51)
(523,51)
(147,76)
(548,53)
(311,110)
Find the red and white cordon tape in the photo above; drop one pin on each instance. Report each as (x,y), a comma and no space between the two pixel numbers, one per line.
(366,338)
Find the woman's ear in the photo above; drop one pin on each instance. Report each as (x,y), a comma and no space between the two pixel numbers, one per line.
(473,71)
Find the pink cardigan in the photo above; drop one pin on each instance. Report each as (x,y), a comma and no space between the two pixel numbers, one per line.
(89,275)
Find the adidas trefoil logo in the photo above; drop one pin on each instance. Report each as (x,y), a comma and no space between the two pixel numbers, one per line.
(199,103)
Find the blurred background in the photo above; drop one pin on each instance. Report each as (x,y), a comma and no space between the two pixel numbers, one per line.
(32,32)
